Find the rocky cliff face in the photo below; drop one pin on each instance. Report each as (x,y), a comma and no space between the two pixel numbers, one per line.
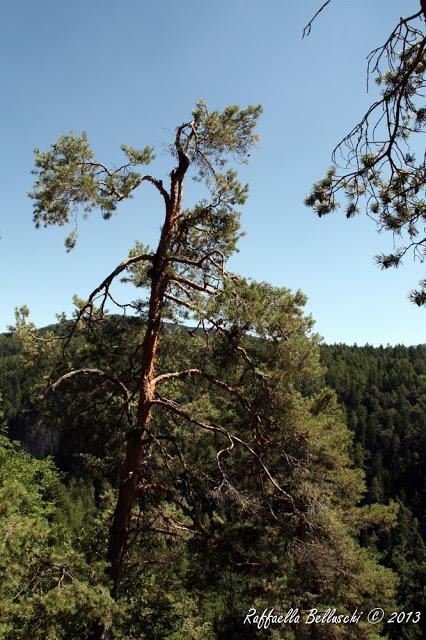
(35,437)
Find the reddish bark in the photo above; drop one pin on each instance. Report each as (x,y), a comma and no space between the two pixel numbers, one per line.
(138,439)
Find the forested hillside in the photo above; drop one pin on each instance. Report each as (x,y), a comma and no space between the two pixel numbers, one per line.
(204,595)
(383,390)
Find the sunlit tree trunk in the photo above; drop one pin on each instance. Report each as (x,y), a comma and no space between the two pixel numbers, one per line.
(138,439)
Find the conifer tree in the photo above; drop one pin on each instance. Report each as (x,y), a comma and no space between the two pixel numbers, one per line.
(44,579)
(185,270)
(229,415)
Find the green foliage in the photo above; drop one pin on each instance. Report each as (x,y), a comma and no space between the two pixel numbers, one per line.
(251,563)
(243,544)
(204,584)
(47,590)
(381,168)
(218,133)
(383,391)
(68,178)
(248,557)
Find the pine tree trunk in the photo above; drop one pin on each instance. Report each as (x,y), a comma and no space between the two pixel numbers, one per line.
(138,439)
(137,443)
(119,532)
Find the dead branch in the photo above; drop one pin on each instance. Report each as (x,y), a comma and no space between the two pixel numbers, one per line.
(85,372)
(307,29)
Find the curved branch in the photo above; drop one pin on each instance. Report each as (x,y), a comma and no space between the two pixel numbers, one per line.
(145,178)
(105,285)
(119,269)
(200,263)
(159,186)
(173,407)
(84,372)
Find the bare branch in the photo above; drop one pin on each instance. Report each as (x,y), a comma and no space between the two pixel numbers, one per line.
(307,29)
(85,372)
(203,288)
(145,178)
(121,267)
(104,286)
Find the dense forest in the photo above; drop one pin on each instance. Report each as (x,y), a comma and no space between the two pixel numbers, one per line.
(175,587)
(383,390)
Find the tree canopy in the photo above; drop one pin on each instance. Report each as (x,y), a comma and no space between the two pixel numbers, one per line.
(379,166)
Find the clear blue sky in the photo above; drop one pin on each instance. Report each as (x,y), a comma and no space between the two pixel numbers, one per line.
(129,72)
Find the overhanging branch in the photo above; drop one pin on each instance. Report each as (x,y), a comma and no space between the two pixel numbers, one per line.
(89,372)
